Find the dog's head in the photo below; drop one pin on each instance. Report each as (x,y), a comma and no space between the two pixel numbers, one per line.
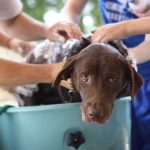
(100,73)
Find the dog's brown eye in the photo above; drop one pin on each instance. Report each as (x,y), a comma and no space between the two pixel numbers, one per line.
(112,80)
(84,77)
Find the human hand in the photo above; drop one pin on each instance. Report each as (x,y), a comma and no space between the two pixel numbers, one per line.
(54,73)
(21,47)
(67,84)
(110,32)
(62,31)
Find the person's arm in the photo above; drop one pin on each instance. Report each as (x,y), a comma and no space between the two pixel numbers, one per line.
(141,52)
(12,73)
(121,30)
(24,27)
(73,9)
(4,39)
(16,45)
(138,26)
(27,28)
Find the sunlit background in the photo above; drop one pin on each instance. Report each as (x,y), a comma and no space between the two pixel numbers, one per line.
(48,10)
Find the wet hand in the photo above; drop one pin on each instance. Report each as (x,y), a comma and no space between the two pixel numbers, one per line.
(21,47)
(62,31)
(109,32)
(55,71)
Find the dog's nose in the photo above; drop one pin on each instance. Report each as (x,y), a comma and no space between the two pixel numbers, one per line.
(94,115)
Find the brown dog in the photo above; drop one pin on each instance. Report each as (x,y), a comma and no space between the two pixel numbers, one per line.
(100,73)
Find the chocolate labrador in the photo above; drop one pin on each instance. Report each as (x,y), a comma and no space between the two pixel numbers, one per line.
(101,73)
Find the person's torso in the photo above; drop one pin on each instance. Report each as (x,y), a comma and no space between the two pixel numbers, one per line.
(113,11)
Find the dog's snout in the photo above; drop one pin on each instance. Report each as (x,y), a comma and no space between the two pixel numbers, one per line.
(94,114)
(90,113)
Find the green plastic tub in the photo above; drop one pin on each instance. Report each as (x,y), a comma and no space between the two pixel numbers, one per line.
(60,127)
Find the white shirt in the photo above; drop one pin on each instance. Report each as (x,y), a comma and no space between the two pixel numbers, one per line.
(10,9)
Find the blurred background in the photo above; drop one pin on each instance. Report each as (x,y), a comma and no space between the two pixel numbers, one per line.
(48,10)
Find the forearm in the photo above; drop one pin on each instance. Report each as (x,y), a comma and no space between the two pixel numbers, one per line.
(24,27)
(73,9)
(142,52)
(4,39)
(121,30)
(138,26)
(12,73)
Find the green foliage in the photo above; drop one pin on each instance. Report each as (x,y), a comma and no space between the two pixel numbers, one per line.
(36,9)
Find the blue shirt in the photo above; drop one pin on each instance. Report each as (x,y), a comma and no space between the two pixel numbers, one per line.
(118,10)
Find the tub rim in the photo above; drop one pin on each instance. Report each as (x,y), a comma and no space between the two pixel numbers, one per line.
(59,107)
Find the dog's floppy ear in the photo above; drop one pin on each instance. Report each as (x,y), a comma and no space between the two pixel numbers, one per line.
(65,73)
(133,83)
(135,80)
